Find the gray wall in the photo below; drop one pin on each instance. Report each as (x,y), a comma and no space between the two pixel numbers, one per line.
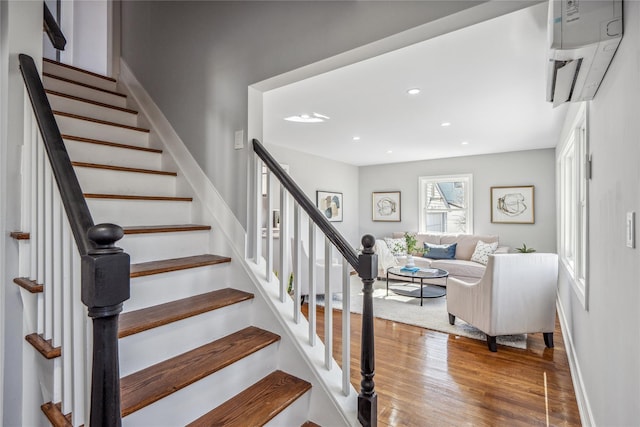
(607,336)
(197,59)
(535,167)
(313,173)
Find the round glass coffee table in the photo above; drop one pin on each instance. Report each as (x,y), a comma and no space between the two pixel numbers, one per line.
(426,290)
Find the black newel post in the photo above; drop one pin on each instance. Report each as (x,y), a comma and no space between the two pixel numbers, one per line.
(367,399)
(105,286)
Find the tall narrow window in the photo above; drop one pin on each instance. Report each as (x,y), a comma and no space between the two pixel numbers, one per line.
(573,186)
(445,204)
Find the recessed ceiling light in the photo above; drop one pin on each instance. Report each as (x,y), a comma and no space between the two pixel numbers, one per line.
(306,118)
(413,91)
(356,138)
(445,124)
(465,142)
(389,151)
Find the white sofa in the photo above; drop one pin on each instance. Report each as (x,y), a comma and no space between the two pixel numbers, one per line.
(461,267)
(516,295)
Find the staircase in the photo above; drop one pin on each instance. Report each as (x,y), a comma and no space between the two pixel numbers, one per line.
(191,351)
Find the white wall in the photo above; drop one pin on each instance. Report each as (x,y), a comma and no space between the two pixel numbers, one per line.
(535,167)
(20,32)
(606,338)
(197,59)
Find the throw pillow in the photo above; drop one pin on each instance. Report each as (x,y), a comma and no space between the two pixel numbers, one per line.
(396,246)
(440,251)
(482,252)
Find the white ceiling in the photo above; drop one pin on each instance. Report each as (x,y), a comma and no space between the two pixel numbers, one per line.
(487,80)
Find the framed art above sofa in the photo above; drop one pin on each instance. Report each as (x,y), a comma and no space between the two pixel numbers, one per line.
(386,206)
(512,205)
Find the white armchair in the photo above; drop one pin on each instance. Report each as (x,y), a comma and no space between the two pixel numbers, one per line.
(335,274)
(516,295)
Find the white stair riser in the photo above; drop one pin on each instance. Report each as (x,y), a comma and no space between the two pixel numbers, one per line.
(102,132)
(147,348)
(295,414)
(155,246)
(78,76)
(57,85)
(137,212)
(104,181)
(197,399)
(87,109)
(88,153)
(157,289)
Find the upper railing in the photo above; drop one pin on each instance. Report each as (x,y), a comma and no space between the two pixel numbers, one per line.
(53,30)
(104,267)
(365,264)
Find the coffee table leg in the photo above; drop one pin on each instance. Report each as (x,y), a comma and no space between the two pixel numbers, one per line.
(421,292)
(387,282)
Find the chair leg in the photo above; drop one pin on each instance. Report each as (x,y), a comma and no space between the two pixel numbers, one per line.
(548,339)
(452,319)
(491,342)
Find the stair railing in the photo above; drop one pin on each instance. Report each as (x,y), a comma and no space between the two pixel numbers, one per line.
(53,30)
(97,273)
(365,265)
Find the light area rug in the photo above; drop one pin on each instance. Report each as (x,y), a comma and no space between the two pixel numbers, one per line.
(432,315)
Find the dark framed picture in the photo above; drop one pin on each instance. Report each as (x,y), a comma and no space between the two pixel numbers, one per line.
(330,204)
(512,205)
(386,206)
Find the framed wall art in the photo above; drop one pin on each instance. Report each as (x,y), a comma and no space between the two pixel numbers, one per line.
(386,206)
(512,205)
(330,204)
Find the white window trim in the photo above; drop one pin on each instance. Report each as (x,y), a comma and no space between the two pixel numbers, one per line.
(421,224)
(578,148)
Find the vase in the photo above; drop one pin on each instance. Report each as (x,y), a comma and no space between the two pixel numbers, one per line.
(410,262)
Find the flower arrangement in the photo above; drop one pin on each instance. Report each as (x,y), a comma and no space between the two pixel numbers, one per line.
(525,250)
(412,244)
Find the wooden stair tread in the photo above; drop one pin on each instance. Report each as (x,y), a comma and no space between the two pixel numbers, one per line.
(43,346)
(155,382)
(258,404)
(64,79)
(98,121)
(122,168)
(28,284)
(53,412)
(146,229)
(71,67)
(310,424)
(110,144)
(134,197)
(175,264)
(144,319)
(90,101)
(20,235)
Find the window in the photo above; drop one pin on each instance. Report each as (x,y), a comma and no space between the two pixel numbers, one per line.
(573,192)
(446,204)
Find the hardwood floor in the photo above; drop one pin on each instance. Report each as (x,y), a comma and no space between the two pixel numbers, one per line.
(429,378)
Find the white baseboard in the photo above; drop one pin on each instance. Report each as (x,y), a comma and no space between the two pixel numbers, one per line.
(586,415)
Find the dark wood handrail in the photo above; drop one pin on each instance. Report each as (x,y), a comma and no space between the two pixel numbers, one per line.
(366,264)
(104,268)
(71,194)
(298,195)
(53,30)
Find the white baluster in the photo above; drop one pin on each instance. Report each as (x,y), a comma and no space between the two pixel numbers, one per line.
(346,328)
(258,211)
(269,235)
(328,306)
(67,311)
(312,283)
(297,263)
(284,220)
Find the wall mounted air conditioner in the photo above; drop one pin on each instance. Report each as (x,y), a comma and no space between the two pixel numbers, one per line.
(583,36)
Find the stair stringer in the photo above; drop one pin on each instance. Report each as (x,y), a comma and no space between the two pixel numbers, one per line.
(328,404)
